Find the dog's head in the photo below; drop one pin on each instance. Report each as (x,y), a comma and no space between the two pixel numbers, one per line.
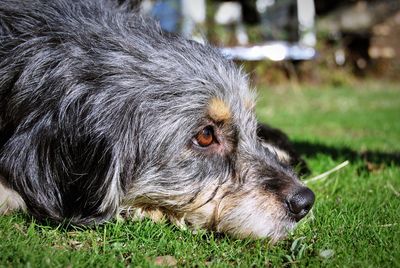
(200,156)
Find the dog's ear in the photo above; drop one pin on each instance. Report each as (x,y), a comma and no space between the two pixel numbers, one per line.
(62,176)
(277,138)
(88,178)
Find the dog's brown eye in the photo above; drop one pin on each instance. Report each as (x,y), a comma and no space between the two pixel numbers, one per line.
(205,137)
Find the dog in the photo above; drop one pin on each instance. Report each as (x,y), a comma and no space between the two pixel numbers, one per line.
(102,113)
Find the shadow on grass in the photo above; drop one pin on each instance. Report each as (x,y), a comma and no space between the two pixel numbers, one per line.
(345,153)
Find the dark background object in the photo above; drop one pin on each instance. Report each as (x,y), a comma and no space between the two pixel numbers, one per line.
(279,139)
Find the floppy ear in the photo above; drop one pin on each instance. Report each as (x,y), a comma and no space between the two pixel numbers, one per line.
(62,176)
(277,138)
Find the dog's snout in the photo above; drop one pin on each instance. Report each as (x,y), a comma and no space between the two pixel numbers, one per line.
(300,203)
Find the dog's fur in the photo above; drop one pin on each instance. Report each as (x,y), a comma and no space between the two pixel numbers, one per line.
(99,113)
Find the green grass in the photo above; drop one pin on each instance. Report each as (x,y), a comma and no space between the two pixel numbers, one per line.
(356,218)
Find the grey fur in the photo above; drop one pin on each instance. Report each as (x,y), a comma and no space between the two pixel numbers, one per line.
(99,107)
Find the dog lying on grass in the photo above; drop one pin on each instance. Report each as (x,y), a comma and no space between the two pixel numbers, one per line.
(101,112)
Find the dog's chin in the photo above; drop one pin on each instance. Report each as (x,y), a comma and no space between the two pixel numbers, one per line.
(280,230)
(272,229)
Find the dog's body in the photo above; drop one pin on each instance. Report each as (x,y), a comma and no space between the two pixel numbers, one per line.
(100,111)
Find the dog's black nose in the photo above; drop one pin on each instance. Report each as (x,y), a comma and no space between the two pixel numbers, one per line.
(300,203)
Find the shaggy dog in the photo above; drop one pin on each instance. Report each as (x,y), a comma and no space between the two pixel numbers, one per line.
(102,112)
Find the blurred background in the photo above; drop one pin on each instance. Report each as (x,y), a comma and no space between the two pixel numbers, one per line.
(333,41)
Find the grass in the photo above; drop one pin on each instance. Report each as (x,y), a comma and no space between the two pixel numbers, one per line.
(355,221)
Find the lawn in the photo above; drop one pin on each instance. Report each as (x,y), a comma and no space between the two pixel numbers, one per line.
(355,221)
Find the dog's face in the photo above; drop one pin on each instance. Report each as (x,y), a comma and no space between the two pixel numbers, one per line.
(209,168)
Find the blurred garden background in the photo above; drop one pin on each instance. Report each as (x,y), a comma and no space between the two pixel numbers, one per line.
(297,40)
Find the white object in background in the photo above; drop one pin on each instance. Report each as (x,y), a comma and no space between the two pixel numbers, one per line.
(195,9)
(340,57)
(146,6)
(275,51)
(306,17)
(262,5)
(194,17)
(230,13)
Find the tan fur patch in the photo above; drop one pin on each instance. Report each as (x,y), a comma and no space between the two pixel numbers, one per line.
(154,214)
(9,200)
(218,110)
(139,213)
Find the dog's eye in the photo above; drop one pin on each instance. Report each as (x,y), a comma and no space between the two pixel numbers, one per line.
(205,137)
